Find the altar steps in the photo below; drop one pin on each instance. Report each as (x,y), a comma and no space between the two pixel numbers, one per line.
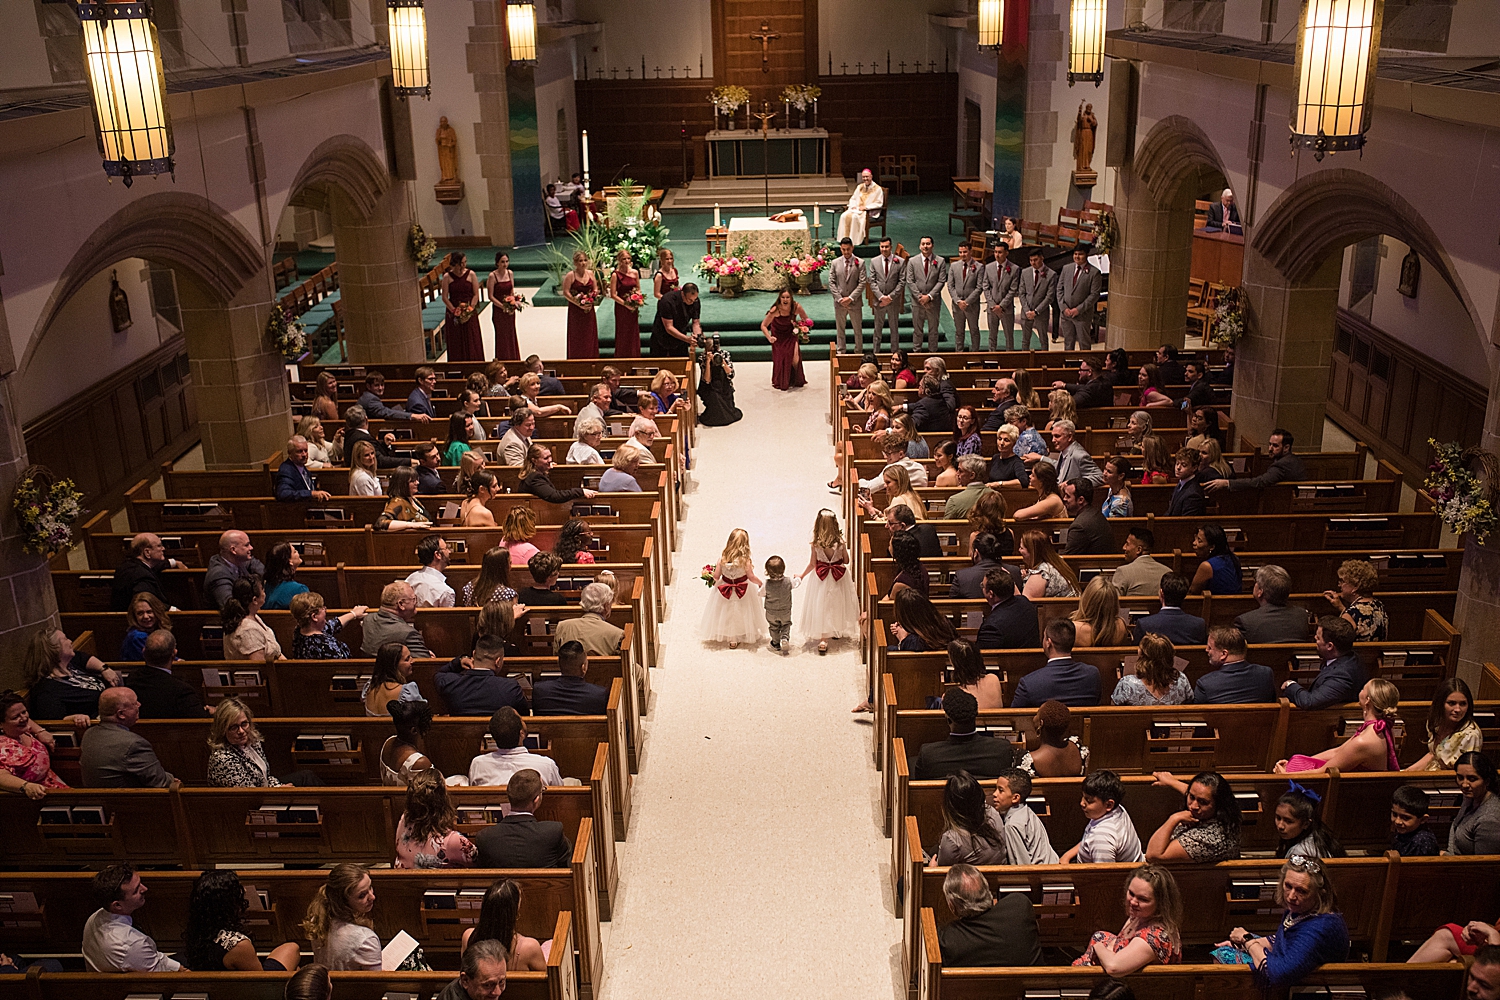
(742,193)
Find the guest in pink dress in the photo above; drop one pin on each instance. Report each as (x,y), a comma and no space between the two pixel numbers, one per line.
(502,284)
(624,282)
(1371,748)
(25,758)
(786,352)
(582,293)
(427,835)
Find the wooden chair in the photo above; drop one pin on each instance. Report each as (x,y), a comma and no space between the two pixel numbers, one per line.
(1098,206)
(1200,214)
(970,215)
(1047,235)
(339,328)
(1202,316)
(1030,232)
(875,217)
(885,172)
(1069,217)
(979,244)
(909,173)
(1195,292)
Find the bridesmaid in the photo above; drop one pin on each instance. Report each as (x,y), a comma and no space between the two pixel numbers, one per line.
(786,352)
(622,282)
(583,325)
(666,273)
(501,284)
(460,291)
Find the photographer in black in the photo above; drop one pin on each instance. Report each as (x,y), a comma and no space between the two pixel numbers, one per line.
(716,389)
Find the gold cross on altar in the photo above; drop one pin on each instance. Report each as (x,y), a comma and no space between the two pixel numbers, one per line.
(765,36)
(765,117)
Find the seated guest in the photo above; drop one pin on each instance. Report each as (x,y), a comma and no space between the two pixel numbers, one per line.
(1312,932)
(1299,829)
(1272,621)
(293,481)
(1049,501)
(498,914)
(493,582)
(25,751)
(1207,831)
(427,834)
(1140,575)
(114,757)
(643,430)
(316,637)
(1171,622)
(988,515)
(1011,621)
(145,615)
(461,428)
(965,749)
(918,627)
(161,695)
(1410,836)
(1152,933)
(1118,502)
(970,471)
(1051,752)
(1046,572)
(1219,572)
(517,533)
(987,932)
(1200,391)
(1285,467)
(893,450)
(372,399)
(246,635)
(282,563)
(63,682)
(1356,602)
(1090,533)
(141,572)
(985,551)
(236,750)
(477,685)
(1222,214)
(310,982)
(516,441)
(931,412)
(420,400)
(536,478)
(588,433)
(573,541)
(1063,679)
(357,431)
(570,694)
(402,756)
(1090,389)
(899,490)
(520,840)
(1371,748)
(1136,429)
(1234,680)
(1451,729)
(543,567)
(620,477)
(901,518)
(390,679)
(592,629)
(1342,674)
(321,452)
(1026,838)
(429,460)
(510,755)
(403,510)
(973,832)
(1156,461)
(1109,834)
(1156,680)
(1097,620)
(338,922)
(970,674)
(429,583)
(110,941)
(214,939)
(481,974)
(1188,499)
(1476,828)
(1451,942)
(471,463)
(392,622)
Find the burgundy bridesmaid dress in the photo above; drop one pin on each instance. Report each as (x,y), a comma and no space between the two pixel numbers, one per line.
(627,321)
(465,342)
(583,324)
(507,348)
(786,359)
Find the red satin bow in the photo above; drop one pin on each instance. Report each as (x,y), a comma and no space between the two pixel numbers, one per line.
(737,589)
(837,569)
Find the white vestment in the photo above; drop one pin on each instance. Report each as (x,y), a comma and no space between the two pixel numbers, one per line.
(855,223)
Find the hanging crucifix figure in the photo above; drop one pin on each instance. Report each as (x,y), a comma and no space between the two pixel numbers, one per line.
(765,36)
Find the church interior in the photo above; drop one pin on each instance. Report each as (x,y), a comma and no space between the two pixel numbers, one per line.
(375,375)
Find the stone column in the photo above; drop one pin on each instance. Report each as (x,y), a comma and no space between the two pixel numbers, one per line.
(1047,56)
(487,53)
(377,279)
(1281,364)
(1149,269)
(27,601)
(1476,612)
(239,378)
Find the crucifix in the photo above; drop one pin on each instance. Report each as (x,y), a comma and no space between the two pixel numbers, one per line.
(765,116)
(765,36)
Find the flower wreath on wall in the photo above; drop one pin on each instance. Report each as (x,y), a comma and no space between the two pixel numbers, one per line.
(286,331)
(1465,498)
(46,508)
(1229,318)
(421,246)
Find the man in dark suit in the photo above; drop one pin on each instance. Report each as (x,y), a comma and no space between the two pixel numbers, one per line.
(1011,621)
(1167,363)
(551,384)
(114,757)
(1342,674)
(1063,679)
(373,401)
(981,754)
(478,686)
(1188,499)
(988,932)
(1285,468)
(570,694)
(357,429)
(1234,680)
(903,520)
(293,481)
(930,413)
(141,573)
(520,840)
(938,369)
(429,459)
(1171,622)
(1273,620)
(1090,533)
(1003,395)
(1223,213)
(161,695)
(1200,392)
(1090,389)
(985,553)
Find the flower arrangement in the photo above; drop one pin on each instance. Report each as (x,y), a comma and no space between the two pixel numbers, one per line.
(512,303)
(803,329)
(1106,233)
(741,263)
(421,246)
(707,575)
(801,95)
(286,331)
(634,301)
(630,224)
(45,510)
(728,97)
(1465,501)
(799,264)
(1229,318)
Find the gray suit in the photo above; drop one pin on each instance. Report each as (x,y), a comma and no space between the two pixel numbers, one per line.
(1076,463)
(1036,296)
(114,757)
(886,277)
(925,277)
(1078,289)
(963,286)
(1001,284)
(846,279)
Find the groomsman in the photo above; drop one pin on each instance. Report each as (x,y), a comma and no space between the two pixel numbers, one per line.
(925,275)
(1038,286)
(963,288)
(846,283)
(884,277)
(1001,282)
(1077,294)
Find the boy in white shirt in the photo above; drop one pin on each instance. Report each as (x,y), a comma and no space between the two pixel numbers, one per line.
(1110,835)
(1025,837)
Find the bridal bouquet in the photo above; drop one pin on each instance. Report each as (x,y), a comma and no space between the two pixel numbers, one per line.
(803,328)
(634,301)
(587,300)
(512,303)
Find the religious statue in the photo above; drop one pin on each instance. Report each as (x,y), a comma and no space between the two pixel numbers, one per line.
(1085,127)
(449,190)
(867,197)
(119,305)
(1411,274)
(765,36)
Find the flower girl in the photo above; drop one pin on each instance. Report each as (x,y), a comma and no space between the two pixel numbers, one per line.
(830,608)
(734,613)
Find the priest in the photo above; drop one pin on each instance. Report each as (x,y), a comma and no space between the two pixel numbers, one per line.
(867,197)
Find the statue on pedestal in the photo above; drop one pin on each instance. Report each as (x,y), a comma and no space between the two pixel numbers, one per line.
(449,190)
(1085,127)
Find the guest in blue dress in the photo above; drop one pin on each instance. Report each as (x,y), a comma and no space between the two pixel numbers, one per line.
(1312,931)
(1119,502)
(145,615)
(281,567)
(1219,572)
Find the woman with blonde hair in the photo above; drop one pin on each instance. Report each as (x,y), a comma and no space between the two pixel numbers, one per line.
(63,682)
(529,391)
(1025,394)
(898,490)
(1153,926)
(469,463)
(665,279)
(517,533)
(321,452)
(583,293)
(145,614)
(338,921)
(733,613)
(1060,406)
(364,476)
(325,404)
(236,750)
(475,511)
(830,607)
(1371,748)
(904,429)
(879,404)
(1213,458)
(1156,460)
(1046,574)
(1156,680)
(1097,621)
(493,582)
(427,834)
(1049,501)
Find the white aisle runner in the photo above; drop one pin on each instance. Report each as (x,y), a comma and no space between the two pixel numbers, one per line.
(756,865)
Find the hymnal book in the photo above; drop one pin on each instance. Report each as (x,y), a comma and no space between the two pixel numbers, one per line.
(89,814)
(18,902)
(440,899)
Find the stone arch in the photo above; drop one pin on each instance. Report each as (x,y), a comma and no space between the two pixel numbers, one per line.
(1176,158)
(344,163)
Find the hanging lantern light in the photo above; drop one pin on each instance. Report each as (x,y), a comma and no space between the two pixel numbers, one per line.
(520,19)
(1337,47)
(408,23)
(1086,41)
(123,60)
(991,24)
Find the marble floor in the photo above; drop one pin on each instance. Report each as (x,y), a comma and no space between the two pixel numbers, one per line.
(755,863)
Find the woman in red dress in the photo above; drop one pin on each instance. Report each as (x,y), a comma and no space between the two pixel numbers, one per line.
(582,293)
(500,285)
(623,282)
(786,352)
(666,272)
(460,290)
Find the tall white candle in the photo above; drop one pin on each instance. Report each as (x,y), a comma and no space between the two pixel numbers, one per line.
(585,159)
(817,214)
(716,215)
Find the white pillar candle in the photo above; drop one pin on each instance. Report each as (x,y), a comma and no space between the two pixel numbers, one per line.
(716,215)
(585,159)
(817,214)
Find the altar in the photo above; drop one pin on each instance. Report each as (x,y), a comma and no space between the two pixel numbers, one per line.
(783,152)
(763,239)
